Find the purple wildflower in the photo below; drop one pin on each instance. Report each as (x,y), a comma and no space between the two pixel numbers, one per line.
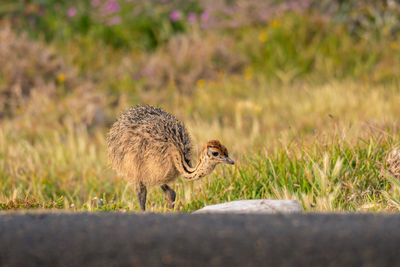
(284,7)
(71,12)
(95,3)
(192,17)
(147,72)
(41,11)
(175,15)
(114,21)
(111,7)
(264,15)
(305,4)
(137,10)
(234,23)
(294,6)
(32,21)
(205,16)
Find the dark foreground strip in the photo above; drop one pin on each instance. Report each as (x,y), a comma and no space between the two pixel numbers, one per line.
(113,239)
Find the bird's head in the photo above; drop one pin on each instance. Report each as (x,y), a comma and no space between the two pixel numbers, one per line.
(215,152)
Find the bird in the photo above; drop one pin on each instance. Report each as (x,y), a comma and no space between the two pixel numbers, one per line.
(393,163)
(151,147)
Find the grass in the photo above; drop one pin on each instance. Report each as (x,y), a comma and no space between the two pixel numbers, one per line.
(325,173)
(307,104)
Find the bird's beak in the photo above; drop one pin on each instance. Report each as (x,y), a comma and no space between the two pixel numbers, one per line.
(229,161)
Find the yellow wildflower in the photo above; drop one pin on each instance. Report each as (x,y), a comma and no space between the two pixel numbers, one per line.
(61,78)
(393,45)
(248,74)
(276,24)
(172,84)
(201,83)
(262,37)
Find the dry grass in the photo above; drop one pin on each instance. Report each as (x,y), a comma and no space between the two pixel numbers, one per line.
(190,59)
(35,80)
(323,143)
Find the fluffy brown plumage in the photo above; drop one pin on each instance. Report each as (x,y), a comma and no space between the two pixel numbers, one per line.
(393,163)
(151,147)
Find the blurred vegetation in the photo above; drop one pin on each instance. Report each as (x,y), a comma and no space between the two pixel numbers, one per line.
(305,94)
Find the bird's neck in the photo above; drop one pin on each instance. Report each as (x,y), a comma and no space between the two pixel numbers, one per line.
(202,168)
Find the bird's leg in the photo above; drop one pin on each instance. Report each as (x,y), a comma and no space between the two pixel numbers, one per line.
(169,195)
(141,192)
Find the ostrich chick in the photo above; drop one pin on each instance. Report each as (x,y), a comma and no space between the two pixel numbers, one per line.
(151,147)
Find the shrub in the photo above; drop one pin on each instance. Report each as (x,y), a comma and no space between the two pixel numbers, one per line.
(188,59)
(30,72)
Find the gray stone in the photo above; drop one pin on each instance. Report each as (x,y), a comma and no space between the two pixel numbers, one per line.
(254,206)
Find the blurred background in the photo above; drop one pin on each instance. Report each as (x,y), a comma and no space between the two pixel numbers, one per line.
(305,94)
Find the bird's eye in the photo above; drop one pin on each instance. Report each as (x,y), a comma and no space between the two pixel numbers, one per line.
(215,153)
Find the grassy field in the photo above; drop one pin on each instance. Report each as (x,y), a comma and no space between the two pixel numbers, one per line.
(304,94)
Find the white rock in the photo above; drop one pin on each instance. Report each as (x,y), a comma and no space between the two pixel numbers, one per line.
(254,206)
